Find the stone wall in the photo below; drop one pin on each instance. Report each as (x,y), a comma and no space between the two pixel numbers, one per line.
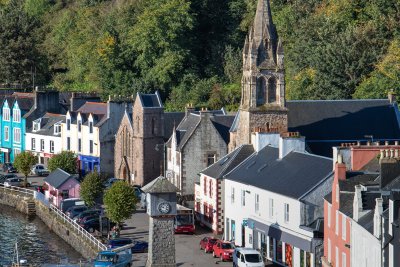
(14,200)
(161,243)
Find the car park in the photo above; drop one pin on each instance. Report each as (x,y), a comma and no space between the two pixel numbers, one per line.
(247,257)
(207,244)
(223,250)
(40,170)
(15,182)
(9,168)
(75,211)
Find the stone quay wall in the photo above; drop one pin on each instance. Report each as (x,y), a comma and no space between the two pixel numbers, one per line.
(15,200)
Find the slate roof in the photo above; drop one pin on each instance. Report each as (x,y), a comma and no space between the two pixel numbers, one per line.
(47,124)
(160,185)
(223,124)
(94,108)
(171,119)
(228,162)
(58,177)
(292,176)
(150,100)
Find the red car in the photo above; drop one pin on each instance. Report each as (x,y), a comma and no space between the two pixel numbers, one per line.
(207,244)
(223,250)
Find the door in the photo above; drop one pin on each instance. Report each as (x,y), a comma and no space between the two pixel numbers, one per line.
(233,226)
(243,236)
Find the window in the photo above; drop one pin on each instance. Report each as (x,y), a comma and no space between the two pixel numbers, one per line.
(6,133)
(36,126)
(286,212)
(6,114)
(271,208)
(329,215)
(68,124)
(336,256)
(210,187)
(16,115)
(343,227)
(90,127)
(57,128)
(91,146)
(337,193)
(41,144)
(243,198)
(17,135)
(329,250)
(68,143)
(205,185)
(79,145)
(33,143)
(153,125)
(257,203)
(210,159)
(51,146)
(343,259)
(232,195)
(337,223)
(17,151)
(79,126)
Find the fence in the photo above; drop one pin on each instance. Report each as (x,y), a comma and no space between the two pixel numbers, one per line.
(77,228)
(42,198)
(19,190)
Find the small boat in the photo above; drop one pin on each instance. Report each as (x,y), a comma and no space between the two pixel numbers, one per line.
(16,261)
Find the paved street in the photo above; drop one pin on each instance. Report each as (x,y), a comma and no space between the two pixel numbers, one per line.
(33,180)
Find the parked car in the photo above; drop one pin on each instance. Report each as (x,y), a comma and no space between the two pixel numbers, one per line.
(70,202)
(75,211)
(40,170)
(9,168)
(93,224)
(110,182)
(207,244)
(138,245)
(85,214)
(15,182)
(223,250)
(247,257)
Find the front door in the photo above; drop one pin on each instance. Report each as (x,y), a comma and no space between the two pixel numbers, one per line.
(233,231)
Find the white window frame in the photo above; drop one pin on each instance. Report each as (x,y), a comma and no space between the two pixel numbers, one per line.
(17,135)
(57,128)
(337,222)
(79,145)
(79,125)
(287,210)
(51,146)
(256,202)
(344,259)
(6,114)
(68,143)
(329,214)
(68,122)
(344,227)
(329,251)
(33,144)
(337,256)
(91,147)
(90,127)
(271,208)
(243,198)
(16,115)
(232,194)
(42,145)
(17,151)
(6,133)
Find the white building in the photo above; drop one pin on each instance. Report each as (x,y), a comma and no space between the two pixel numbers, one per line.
(43,137)
(273,201)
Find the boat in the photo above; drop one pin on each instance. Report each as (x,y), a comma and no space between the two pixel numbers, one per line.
(17,261)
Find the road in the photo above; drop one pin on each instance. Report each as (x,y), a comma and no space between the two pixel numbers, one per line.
(33,180)
(188,252)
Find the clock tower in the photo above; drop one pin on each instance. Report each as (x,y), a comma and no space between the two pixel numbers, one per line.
(161,207)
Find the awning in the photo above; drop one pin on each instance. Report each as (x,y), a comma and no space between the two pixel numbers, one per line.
(279,234)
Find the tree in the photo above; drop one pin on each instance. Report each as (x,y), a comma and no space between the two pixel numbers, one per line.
(91,188)
(66,160)
(120,201)
(24,162)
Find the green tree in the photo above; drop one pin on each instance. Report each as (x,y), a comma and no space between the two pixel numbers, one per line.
(91,188)
(24,162)
(120,201)
(66,160)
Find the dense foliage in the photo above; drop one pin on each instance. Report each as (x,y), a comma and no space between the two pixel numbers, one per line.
(190,50)
(24,162)
(120,201)
(91,188)
(65,160)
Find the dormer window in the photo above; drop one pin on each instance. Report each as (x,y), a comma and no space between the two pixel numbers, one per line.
(79,126)
(68,124)
(6,114)
(16,115)
(90,127)
(36,125)
(57,128)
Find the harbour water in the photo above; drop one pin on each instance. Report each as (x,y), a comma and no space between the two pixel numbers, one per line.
(36,242)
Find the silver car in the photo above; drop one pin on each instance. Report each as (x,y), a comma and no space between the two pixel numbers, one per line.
(15,182)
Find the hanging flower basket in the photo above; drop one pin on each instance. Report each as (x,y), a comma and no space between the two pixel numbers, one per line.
(53,192)
(45,187)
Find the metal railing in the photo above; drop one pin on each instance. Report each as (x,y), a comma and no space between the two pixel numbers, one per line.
(21,191)
(78,229)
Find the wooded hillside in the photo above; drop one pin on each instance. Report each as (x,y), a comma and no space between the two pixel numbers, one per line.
(190,50)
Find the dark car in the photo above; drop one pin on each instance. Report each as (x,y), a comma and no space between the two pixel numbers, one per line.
(85,214)
(75,211)
(4,177)
(9,168)
(207,244)
(138,245)
(92,224)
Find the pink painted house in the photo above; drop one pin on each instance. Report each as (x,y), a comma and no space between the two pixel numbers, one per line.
(61,185)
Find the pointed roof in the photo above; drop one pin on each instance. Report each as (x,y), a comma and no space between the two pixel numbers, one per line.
(160,185)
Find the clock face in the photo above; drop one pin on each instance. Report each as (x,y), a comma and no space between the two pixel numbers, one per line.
(164,207)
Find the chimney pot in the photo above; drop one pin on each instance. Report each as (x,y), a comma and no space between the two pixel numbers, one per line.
(368,143)
(386,153)
(396,143)
(386,143)
(396,153)
(382,154)
(358,143)
(391,153)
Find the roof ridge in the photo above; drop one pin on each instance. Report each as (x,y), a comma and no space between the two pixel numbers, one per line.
(338,100)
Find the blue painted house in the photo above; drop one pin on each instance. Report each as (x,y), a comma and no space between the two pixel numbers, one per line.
(17,113)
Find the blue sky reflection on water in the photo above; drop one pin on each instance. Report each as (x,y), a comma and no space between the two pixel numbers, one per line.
(36,242)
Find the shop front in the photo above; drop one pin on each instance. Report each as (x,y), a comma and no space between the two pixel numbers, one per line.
(279,246)
(5,154)
(88,164)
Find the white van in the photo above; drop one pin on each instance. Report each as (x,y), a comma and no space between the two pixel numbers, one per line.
(247,257)
(70,202)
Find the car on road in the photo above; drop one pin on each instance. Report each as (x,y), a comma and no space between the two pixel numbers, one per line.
(93,224)
(85,214)
(40,170)
(247,257)
(207,244)
(15,182)
(4,177)
(9,168)
(223,250)
(75,211)
(138,245)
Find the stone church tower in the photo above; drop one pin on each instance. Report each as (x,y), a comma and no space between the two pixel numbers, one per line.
(262,106)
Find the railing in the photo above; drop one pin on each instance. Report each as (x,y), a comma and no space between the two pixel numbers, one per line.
(42,198)
(22,191)
(77,228)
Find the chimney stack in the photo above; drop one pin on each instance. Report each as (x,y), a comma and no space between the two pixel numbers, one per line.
(392,96)
(377,217)
(358,210)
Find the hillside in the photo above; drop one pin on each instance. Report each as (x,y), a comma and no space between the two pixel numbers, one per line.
(190,50)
